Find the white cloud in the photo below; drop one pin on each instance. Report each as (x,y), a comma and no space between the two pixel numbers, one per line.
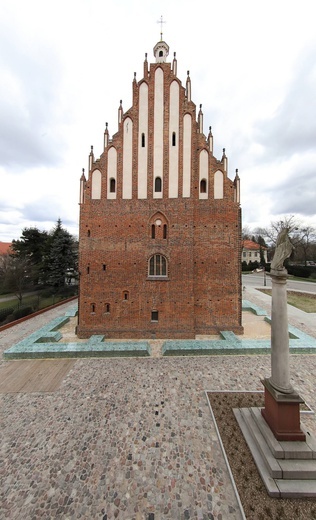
(292,128)
(67,64)
(29,105)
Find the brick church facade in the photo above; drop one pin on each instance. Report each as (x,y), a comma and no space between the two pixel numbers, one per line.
(160,221)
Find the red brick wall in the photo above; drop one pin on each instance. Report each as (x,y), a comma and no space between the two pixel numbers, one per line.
(201,294)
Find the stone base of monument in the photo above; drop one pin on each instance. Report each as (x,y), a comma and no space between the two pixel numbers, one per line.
(287,468)
(282,413)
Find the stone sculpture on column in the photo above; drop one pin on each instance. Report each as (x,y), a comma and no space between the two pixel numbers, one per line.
(281,410)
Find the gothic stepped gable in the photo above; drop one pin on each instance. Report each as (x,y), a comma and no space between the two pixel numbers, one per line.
(160,221)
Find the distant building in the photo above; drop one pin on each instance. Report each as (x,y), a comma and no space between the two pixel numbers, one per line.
(5,248)
(160,220)
(251,252)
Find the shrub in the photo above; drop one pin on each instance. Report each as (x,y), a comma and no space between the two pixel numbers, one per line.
(254,265)
(299,270)
(249,267)
(68,291)
(245,267)
(20,313)
(47,293)
(5,312)
(8,319)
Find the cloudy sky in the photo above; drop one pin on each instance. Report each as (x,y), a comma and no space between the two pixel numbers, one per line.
(65,65)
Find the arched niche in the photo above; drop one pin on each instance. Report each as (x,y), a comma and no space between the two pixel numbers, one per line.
(112,173)
(96,185)
(218,185)
(203,173)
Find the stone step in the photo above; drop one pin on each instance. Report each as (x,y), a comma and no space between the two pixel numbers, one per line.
(296,488)
(273,443)
(270,461)
(298,477)
(310,440)
(282,449)
(294,465)
(271,487)
(298,469)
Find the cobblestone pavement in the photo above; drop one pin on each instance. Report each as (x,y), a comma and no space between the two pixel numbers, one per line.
(126,438)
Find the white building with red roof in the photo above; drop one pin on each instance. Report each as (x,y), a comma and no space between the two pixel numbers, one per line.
(251,252)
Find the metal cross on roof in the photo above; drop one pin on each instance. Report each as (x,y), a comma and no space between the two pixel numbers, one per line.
(161,21)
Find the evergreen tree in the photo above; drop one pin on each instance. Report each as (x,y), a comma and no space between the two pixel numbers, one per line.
(31,249)
(260,240)
(262,258)
(62,256)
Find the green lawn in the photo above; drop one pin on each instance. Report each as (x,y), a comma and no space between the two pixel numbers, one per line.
(303,301)
(32,300)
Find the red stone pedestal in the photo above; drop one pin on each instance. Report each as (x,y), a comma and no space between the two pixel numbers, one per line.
(282,413)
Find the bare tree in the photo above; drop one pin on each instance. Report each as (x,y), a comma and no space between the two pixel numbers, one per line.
(14,275)
(270,234)
(306,241)
(302,237)
(246,233)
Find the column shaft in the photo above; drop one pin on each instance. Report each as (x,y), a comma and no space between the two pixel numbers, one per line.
(280,364)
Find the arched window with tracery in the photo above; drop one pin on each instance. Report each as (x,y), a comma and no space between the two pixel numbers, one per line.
(158,226)
(157,266)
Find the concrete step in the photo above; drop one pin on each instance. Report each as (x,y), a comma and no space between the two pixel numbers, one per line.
(294,465)
(310,440)
(296,488)
(296,478)
(271,487)
(270,461)
(283,449)
(266,432)
(298,469)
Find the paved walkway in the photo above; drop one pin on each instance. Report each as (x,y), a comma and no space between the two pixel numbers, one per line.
(128,438)
(300,319)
